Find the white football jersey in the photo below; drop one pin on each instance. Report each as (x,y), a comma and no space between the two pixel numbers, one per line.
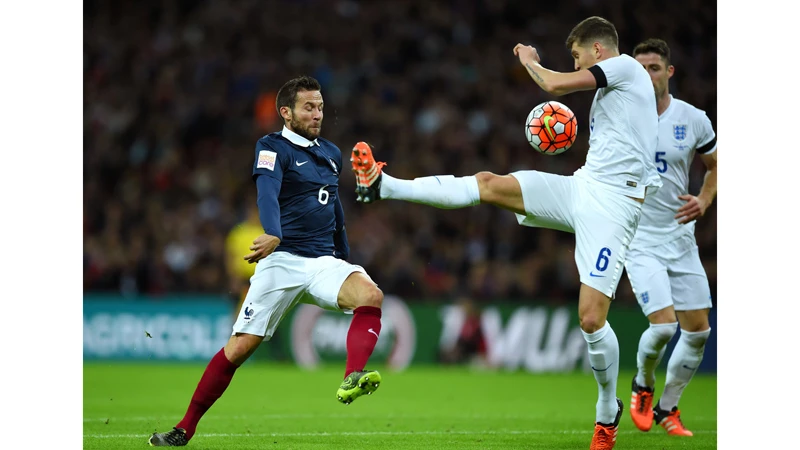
(623,127)
(683,130)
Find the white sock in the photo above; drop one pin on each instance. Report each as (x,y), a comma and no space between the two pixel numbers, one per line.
(604,357)
(682,366)
(652,346)
(442,191)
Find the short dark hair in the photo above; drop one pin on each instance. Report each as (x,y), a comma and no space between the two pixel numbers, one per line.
(653,45)
(287,95)
(591,29)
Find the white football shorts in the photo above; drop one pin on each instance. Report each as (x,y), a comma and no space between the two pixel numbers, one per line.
(670,274)
(603,222)
(281,281)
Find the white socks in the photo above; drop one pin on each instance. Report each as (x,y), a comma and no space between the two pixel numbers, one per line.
(604,358)
(682,366)
(443,191)
(652,346)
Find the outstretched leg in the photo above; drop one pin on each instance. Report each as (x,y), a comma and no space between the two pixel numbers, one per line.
(441,191)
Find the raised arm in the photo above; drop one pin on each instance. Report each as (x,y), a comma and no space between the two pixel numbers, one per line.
(555,83)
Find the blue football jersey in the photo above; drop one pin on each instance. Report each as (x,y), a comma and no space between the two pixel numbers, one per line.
(309,178)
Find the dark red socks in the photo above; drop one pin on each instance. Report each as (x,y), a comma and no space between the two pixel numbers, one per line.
(213,383)
(362,337)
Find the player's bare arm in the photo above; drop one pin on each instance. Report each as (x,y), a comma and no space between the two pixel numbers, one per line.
(262,247)
(696,206)
(555,83)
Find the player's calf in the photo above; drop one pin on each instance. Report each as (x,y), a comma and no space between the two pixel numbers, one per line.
(241,346)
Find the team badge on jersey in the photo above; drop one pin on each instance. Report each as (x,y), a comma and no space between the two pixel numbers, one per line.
(679,131)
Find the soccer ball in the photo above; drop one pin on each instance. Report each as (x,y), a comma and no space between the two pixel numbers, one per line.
(551,128)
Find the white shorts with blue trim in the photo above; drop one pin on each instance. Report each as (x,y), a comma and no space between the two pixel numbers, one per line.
(603,222)
(281,281)
(670,274)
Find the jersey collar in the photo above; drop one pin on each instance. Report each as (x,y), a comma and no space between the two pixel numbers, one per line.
(668,111)
(296,139)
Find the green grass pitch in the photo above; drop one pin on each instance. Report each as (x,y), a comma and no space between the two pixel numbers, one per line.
(284,407)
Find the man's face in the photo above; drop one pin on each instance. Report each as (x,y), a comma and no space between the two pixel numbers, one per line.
(658,70)
(584,57)
(306,116)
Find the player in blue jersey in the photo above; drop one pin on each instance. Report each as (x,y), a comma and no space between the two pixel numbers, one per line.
(301,257)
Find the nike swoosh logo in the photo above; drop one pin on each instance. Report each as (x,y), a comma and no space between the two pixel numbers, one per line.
(373,332)
(593,275)
(602,370)
(300,163)
(690,368)
(546,121)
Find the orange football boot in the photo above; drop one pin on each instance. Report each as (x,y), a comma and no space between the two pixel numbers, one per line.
(605,435)
(671,421)
(368,173)
(641,406)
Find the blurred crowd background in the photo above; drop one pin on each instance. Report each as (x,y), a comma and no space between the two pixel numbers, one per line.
(177,92)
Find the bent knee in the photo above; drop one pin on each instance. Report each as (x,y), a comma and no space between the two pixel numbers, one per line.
(694,321)
(663,316)
(373,297)
(500,190)
(487,184)
(591,323)
(485,178)
(696,327)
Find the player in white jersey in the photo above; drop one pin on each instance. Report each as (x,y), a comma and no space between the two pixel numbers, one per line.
(600,203)
(663,263)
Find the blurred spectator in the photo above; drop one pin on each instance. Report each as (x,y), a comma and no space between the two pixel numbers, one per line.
(469,344)
(176,93)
